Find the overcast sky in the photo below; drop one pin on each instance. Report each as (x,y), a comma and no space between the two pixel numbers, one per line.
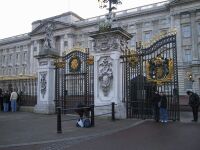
(17,15)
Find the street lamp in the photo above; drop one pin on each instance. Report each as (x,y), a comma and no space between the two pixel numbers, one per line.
(189,76)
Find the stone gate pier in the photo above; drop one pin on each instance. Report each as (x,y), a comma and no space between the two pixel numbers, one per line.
(109,45)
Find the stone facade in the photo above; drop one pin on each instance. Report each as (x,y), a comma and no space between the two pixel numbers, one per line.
(17,54)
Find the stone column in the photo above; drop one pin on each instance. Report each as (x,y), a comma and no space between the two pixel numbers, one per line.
(195,53)
(46,82)
(70,38)
(194,37)
(108,47)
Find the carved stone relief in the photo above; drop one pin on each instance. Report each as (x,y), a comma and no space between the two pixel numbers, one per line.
(43,63)
(123,44)
(106,43)
(43,83)
(105,74)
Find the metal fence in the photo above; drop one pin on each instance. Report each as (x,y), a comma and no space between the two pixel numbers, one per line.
(26,87)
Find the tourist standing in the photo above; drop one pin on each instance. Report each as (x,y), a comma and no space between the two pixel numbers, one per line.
(1,100)
(156,100)
(163,107)
(13,99)
(194,103)
(6,100)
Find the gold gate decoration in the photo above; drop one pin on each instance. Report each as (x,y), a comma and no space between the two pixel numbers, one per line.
(159,70)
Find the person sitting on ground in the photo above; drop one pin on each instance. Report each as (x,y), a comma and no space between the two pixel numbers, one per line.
(81,110)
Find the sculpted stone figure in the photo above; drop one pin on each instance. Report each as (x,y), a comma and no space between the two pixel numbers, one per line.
(48,41)
(105,75)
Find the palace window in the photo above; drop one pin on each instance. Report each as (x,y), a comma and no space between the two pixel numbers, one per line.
(34,52)
(21,47)
(147,36)
(17,58)
(198,28)
(188,56)
(9,71)
(4,60)
(186,31)
(132,41)
(24,70)
(25,57)
(3,72)
(66,43)
(17,71)
(10,59)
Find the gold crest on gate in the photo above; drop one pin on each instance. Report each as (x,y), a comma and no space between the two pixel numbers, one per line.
(159,69)
(74,64)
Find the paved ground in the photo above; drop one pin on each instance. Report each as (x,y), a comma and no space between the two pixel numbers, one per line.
(22,130)
(147,136)
(28,131)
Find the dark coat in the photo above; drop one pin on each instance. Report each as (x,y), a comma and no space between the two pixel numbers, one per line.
(194,100)
(156,100)
(163,101)
(6,98)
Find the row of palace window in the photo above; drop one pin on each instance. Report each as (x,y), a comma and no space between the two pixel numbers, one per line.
(14,59)
(147,35)
(185,31)
(13,71)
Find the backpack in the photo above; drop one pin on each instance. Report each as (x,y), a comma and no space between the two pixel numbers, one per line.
(83,123)
(86,123)
(79,123)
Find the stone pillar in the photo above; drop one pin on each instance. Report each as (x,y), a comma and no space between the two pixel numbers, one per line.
(194,38)
(195,53)
(46,82)
(108,47)
(70,40)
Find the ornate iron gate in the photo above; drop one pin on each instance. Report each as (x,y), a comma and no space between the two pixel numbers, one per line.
(146,70)
(74,79)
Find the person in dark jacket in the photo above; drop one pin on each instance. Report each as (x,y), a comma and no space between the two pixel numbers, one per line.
(6,100)
(1,100)
(163,107)
(194,102)
(156,100)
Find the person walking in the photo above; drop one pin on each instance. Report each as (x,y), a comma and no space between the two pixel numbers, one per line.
(194,102)
(13,99)
(156,100)
(6,100)
(163,107)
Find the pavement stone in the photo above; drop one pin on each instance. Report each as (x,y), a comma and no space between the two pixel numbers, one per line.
(23,130)
(30,131)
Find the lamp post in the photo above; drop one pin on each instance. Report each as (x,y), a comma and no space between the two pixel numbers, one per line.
(189,76)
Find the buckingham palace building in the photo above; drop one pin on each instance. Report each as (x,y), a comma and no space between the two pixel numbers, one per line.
(18,54)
